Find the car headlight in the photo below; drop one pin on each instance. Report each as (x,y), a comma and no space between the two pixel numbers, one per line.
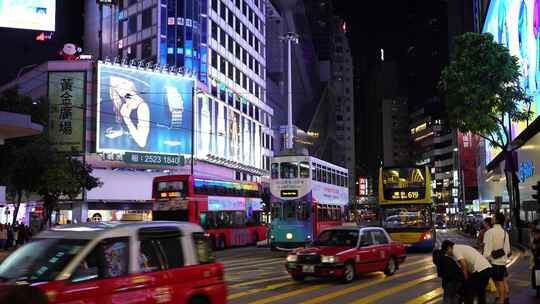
(291,258)
(328,259)
(289,236)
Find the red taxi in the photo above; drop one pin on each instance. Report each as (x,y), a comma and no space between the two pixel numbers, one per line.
(120,262)
(343,252)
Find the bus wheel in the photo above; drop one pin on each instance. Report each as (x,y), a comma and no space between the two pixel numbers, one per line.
(349,273)
(221,244)
(390,267)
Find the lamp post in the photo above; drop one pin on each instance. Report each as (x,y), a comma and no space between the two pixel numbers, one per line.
(289,37)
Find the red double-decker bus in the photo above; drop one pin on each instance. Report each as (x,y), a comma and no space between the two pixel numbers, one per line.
(230,212)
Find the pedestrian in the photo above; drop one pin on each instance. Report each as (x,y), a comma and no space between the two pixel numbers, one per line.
(3,236)
(451,275)
(497,251)
(535,273)
(475,267)
(9,242)
(486,225)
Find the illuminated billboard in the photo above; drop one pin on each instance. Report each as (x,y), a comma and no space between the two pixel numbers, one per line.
(514,23)
(28,14)
(143,111)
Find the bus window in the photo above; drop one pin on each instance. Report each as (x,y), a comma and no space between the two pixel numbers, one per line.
(302,212)
(323,174)
(304,170)
(276,211)
(313,172)
(333,177)
(275,170)
(288,170)
(319,174)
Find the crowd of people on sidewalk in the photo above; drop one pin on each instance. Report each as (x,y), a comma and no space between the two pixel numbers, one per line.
(13,236)
(466,271)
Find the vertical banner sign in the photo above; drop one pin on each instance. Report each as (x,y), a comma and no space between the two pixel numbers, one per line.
(66,110)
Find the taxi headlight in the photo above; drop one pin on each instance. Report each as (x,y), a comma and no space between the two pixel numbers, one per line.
(328,259)
(289,236)
(292,258)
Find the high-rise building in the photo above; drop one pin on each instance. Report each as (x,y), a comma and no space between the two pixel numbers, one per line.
(395,132)
(222,43)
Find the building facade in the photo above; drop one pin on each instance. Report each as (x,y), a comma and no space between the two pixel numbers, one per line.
(222,44)
(396,137)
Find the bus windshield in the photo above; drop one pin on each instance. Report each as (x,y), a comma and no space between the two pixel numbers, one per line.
(410,216)
(295,210)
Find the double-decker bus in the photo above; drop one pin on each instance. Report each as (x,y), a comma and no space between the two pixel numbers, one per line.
(406,205)
(230,212)
(307,196)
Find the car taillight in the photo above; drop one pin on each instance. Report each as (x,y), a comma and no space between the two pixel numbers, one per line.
(426,236)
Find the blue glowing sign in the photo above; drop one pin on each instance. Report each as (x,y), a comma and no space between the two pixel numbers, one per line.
(143,111)
(526,170)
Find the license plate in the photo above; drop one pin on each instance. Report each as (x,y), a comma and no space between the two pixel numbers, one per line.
(308,268)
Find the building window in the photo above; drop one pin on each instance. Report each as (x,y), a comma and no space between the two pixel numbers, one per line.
(230,72)
(131,2)
(244,32)
(237,50)
(132,24)
(256,22)
(251,62)
(214,30)
(238,3)
(222,65)
(146,49)
(214,5)
(251,86)
(250,15)
(222,10)
(147,18)
(237,26)
(251,39)
(214,59)
(244,82)
(256,45)
(222,38)
(237,78)
(230,45)
(121,30)
(244,56)
(231,19)
(244,8)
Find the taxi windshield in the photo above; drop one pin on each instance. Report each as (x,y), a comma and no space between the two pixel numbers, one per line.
(40,260)
(347,238)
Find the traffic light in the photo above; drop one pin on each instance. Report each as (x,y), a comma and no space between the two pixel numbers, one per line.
(536,188)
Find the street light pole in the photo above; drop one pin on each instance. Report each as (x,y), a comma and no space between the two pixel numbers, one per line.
(289,37)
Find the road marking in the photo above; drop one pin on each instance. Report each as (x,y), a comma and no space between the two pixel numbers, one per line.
(251,261)
(259,281)
(435,301)
(237,295)
(253,265)
(432,295)
(359,286)
(384,293)
(290,294)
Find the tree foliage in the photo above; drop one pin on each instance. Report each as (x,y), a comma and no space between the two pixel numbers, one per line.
(482,88)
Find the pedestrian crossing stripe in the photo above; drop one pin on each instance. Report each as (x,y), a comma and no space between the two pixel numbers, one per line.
(257,290)
(258,281)
(356,287)
(384,293)
(286,295)
(427,297)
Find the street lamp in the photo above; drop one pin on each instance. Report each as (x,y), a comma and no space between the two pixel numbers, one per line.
(289,37)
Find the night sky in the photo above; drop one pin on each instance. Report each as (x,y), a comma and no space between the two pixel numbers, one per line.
(21,47)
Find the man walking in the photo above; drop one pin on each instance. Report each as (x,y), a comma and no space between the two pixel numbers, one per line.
(497,250)
(476,270)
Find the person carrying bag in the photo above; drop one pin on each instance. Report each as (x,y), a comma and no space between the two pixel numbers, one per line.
(497,250)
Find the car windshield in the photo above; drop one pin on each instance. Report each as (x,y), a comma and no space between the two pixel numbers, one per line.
(40,260)
(406,217)
(347,238)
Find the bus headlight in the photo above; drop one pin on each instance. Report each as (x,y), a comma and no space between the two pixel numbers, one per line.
(289,236)
(292,258)
(328,259)
(309,236)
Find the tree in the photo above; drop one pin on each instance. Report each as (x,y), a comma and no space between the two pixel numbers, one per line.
(64,177)
(483,95)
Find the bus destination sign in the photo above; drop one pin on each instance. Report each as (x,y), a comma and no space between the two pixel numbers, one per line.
(289,193)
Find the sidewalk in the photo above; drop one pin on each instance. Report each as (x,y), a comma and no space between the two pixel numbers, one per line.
(519,281)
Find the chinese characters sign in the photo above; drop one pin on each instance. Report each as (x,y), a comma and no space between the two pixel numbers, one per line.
(66,111)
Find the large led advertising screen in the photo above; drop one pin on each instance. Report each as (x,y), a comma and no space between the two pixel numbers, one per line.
(28,14)
(516,25)
(143,111)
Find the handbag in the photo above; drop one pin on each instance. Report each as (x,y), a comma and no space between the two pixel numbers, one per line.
(499,253)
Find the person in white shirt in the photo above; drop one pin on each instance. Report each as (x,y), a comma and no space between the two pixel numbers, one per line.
(476,270)
(494,239)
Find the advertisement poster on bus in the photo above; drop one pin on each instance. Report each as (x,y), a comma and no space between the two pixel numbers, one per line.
(143,111)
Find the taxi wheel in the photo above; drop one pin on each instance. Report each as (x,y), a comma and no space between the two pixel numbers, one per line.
(298,277)
(198,300)
(349,273)
(391,267)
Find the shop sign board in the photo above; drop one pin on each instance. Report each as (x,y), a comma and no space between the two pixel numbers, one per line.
(154,159)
